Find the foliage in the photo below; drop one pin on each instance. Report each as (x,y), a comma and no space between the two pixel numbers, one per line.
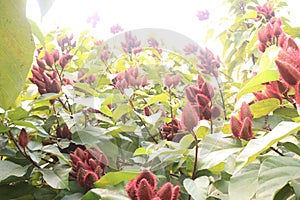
(136,120)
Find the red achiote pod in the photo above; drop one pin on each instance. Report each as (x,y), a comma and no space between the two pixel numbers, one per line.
(288,73)
(189,117)
(23,138)
(242,127)
(49,59)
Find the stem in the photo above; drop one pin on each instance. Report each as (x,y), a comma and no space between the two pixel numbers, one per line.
(222,98)
(196,154)
(22,151)
(170,99)
(196,158)
(146,127)
(278,152)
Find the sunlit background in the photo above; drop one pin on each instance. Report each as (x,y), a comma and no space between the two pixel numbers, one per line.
(175,15)
(178,16)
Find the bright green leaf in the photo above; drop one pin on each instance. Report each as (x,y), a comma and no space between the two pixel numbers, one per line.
(104,194)
(58,177)
(17,114)
(257,146)
(120,111)
(215,149)
(114,178)
(86,88)
(3,128)
(142,151)
(197,188)
(37,32)
(292,147)
(255,83)
(157,98)
(16,50)
(10,169)
(267,60)
(274,173)
(264,107)
(240,182)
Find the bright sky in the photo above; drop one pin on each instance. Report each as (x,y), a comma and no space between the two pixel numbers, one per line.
(175,15)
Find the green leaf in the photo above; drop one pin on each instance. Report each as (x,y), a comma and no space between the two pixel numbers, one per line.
(3,128)
(240,182)
(11,169)
(264,107)
(92,102)
(274,173)
(197,188)
(215,149)
(292,147)
(58,177)
(86,88)
(37,32)
(55,151)
(104,194)
(254,84)
(250,15)
(17,114)
(286,112)
(257,146)
(16,50)
(267,60)
(142,151)
(120,111)
(157,98)
(17,191)
(114,178)
(88,135)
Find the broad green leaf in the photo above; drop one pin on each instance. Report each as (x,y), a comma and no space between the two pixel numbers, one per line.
(18,191)
(55,151)
(37,32)
(92,102)
(197,188)
(267,60)
(239,185)
(274,173)
(88,135)
(157,98)
(257,146)
(104,194)
(11,169)
(58,177)
(152,119)
(264,107)
(296,186)
(142,151)
(114,178)
(3,128)
(215,149)
(16,50)
(250,15)
(255,83)
(292,147)
(186,141)
(17,114)
(120,111)
(86,88)
(286,112)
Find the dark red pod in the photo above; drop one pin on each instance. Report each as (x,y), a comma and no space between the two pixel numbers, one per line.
(23,138)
